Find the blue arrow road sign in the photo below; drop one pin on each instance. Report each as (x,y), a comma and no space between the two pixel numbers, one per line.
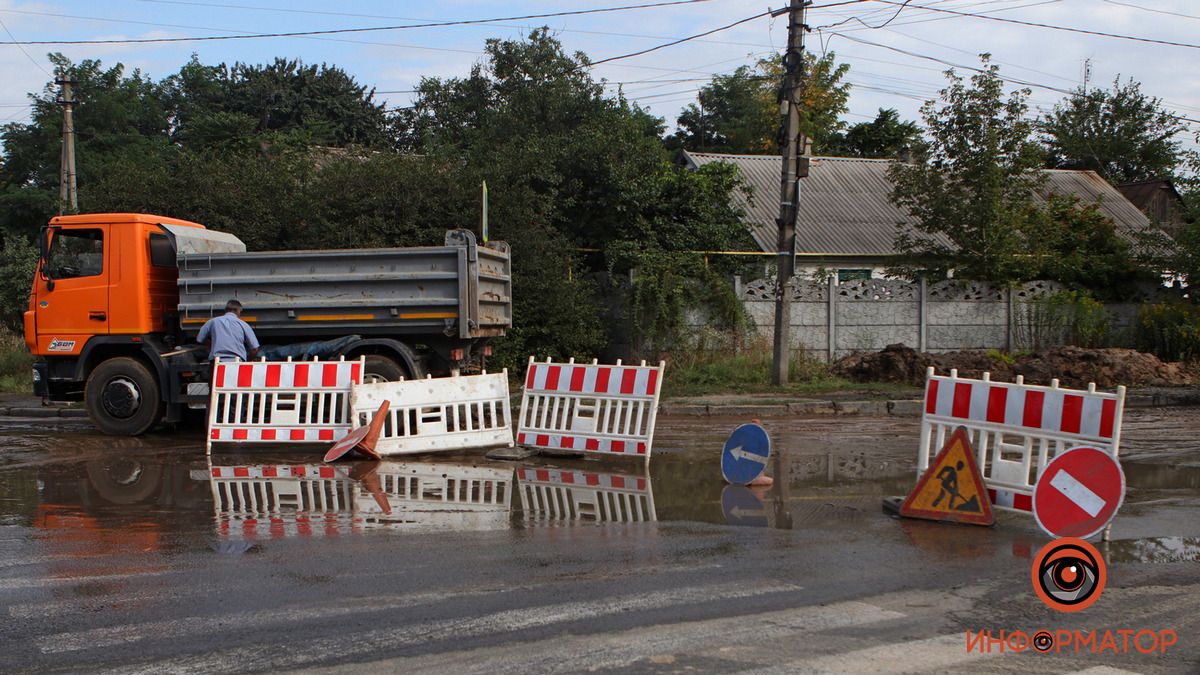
(742,508)
(745,455)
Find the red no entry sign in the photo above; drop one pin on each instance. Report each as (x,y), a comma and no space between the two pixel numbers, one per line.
(1078,493)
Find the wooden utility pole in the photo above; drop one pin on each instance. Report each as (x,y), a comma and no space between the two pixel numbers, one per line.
(66,172)
(794,167)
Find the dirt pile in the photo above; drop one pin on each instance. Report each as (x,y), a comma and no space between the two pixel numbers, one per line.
(1073,366)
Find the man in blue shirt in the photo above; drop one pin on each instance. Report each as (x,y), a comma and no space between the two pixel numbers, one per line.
(227,336)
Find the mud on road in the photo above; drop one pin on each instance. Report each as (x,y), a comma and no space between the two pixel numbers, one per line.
(127,554)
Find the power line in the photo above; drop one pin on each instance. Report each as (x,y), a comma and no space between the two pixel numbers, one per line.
(31,59)
(336,31)
(1050,26)
(405,18)
(1156,11)
(682,40)
(1014,80)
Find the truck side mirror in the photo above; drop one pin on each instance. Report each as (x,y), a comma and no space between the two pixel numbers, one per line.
(43,255)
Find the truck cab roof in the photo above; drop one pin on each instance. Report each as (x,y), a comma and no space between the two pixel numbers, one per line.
(87,218)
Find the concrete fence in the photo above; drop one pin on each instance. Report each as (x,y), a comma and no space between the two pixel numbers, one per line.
(831,320)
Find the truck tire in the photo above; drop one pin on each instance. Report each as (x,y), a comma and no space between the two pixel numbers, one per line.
(382,369)
(123,398)
(125,481)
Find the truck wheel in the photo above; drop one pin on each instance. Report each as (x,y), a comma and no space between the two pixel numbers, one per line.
(123,398)
(124,481)
(382,369)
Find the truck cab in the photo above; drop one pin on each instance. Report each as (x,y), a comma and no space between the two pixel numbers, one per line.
(105,289)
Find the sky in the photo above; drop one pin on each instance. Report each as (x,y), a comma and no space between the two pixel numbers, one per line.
(897,65)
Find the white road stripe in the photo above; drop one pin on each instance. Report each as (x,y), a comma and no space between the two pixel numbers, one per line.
(28,582)
(902,657)
(443,630)
(1077,492)
(620,650)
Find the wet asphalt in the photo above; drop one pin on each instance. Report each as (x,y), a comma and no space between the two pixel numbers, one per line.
(144,555)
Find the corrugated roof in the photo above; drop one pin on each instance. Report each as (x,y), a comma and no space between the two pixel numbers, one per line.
(846,211)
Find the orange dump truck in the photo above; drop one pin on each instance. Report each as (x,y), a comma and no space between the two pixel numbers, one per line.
(118,299)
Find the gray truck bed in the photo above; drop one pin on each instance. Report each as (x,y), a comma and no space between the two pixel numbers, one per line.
(460,290)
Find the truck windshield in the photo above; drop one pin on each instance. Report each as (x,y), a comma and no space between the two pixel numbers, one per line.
(75,253)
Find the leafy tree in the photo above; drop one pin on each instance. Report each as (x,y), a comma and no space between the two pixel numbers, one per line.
(972,184)
(882,137)
(222,104)
(739,113)
(567,167)
(1123,134)
(1077,244)
(117,117)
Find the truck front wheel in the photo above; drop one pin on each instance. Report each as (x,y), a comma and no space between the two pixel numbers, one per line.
(123,398)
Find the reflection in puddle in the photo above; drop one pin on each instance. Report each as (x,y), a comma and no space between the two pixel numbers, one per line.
(550,495)
(1154,550)
(1160,476)
(272,501)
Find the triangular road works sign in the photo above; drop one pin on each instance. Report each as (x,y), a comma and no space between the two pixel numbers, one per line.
(951,489)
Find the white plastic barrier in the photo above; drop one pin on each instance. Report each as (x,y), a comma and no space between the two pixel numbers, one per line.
(430,415)
(440,496)
(590,408)
(281,401)
(278,501)
(566,495)
(1015,428)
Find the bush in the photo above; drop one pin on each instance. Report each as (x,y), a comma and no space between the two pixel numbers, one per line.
(1064,318)
(17,263)
(1169,330)
(703,370)
(15,363)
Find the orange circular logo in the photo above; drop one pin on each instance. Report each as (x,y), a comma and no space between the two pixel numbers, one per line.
(1068,574)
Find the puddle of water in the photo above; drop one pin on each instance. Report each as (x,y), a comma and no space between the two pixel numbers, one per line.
(1154,550)
(831,474)
(1144,475)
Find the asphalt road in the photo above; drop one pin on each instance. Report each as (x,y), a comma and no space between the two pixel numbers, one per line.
(126,555)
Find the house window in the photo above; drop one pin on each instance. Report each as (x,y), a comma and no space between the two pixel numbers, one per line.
(852,275)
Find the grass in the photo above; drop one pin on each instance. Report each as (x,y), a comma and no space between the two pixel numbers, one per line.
(16,364)
(700,373)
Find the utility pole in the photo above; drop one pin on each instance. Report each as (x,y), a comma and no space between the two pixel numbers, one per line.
(794,167)
(66,172)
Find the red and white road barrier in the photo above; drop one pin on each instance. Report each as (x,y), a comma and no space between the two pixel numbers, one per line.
(281,401)
(590,408)
(1017,429)
(431,415)
(277,501)
(563,495)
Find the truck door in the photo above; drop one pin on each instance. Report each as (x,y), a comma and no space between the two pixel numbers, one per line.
(72,290)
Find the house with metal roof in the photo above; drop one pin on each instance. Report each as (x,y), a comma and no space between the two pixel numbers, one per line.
(1158,199)
(846,221)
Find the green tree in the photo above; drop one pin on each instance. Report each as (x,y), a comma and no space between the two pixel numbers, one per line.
(739,113)
(971,187)
(1122,134)
(568,167)
(117,117)
(222,104)
(883,137)
(1075,243)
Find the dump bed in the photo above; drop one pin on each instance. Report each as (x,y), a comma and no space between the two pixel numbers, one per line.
(460,290)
